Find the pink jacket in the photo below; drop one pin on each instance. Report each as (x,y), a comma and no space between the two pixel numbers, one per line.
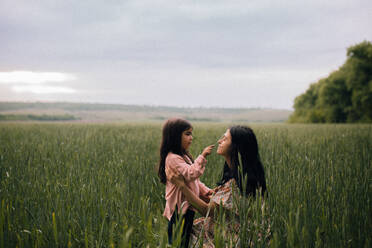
(191,173)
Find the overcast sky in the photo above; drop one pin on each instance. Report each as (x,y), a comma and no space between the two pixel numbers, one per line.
(177,53)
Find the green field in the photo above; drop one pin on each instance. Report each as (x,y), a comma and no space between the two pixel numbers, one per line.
(91,185)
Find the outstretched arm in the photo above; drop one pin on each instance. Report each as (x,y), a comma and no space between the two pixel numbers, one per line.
(175,177)
(189,172)
(193,171)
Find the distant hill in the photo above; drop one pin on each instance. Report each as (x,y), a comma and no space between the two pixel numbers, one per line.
(94,112)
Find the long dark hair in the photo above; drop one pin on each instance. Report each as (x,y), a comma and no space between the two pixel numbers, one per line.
(244,143)
(171,142)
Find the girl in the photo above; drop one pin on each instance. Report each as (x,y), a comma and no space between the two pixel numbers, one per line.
(174,154)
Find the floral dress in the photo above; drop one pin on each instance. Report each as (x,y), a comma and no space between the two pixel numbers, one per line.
(204,229)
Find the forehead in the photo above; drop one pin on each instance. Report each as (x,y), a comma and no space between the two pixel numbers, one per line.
(188,130)
(227,133)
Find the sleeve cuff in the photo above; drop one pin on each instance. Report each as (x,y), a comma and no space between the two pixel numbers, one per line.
(202,159)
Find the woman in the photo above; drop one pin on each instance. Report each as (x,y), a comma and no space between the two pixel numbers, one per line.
(242,168)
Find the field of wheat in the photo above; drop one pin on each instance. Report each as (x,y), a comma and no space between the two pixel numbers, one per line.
(95,185)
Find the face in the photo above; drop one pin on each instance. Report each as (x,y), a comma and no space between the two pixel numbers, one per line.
(186,139)
(224,144)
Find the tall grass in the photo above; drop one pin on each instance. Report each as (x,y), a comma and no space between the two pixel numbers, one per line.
(90,185)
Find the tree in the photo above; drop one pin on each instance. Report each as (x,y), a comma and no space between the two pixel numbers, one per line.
(359,81)
(344,96)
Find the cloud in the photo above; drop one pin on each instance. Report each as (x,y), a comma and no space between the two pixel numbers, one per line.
(34,82)
(37,89)
(29,77)
(130,51)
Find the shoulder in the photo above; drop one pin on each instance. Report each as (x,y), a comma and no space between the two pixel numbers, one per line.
(227,186)
(172,157)
(231,182)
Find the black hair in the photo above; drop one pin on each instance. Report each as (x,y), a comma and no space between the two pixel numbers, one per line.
(172,142)
(244,145)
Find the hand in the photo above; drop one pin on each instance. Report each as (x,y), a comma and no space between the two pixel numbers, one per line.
(207,151)
(212,206)
(174,176)
(210,193)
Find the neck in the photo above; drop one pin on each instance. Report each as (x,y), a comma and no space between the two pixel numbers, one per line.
(228,161)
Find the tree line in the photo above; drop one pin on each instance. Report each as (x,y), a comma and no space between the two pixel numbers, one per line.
(345,96)
(31,117)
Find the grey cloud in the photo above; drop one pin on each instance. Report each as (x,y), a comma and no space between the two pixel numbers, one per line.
(130,43)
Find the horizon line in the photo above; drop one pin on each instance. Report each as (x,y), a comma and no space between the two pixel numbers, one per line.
(146,105)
